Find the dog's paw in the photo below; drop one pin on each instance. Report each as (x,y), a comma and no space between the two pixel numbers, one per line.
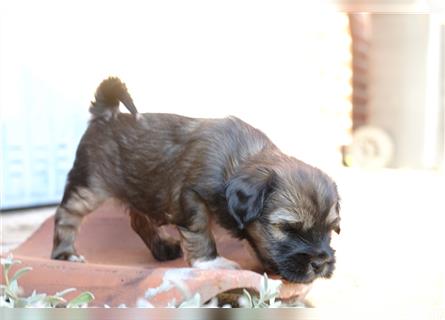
(217,263)
(67,255)
(76,258)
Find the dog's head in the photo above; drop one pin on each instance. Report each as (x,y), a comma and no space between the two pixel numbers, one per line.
(288,211)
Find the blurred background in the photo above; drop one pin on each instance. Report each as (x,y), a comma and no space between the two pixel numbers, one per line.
(329,87)
(356,93)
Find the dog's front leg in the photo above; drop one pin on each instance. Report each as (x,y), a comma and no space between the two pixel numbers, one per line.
(198,243)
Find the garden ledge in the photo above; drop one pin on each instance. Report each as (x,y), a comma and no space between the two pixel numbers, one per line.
(120,269)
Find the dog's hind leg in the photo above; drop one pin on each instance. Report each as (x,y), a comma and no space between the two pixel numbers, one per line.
(76,204)
(162,246)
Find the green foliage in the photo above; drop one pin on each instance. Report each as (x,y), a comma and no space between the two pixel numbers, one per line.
(11,293)
(266,298)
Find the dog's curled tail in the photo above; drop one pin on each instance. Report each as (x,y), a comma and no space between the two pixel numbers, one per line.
(108,95)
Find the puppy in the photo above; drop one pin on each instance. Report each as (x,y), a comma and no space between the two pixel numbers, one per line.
(170,169)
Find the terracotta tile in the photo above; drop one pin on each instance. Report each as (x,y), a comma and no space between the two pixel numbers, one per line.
(120,269)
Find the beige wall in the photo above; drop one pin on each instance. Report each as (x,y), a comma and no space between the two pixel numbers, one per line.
(404,86)
(397,71)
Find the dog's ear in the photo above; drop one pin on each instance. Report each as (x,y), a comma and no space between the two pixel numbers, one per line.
(245,195)
(337,228)
(333,217)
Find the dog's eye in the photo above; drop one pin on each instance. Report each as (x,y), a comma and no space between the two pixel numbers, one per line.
(282,217)
(291,227)
(242,197)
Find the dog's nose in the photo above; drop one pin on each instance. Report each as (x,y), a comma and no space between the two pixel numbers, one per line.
(319,260)
(317,265)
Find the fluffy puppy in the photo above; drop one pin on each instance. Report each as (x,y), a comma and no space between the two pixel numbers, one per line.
(170,169)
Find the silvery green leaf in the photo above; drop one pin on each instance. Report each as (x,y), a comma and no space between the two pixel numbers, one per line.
(193,302)
(246,300)
(20,303)
(263,286)
(20,273)
(39,304)
(12,295)
(274,286)
(81,300)
(9,261)
(266,281)
(35,297)
(54,300)
(64,292)
(14,287)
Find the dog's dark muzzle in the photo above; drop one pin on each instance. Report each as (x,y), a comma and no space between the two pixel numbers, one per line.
(305,266)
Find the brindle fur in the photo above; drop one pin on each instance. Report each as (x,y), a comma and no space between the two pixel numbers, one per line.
(171,169)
